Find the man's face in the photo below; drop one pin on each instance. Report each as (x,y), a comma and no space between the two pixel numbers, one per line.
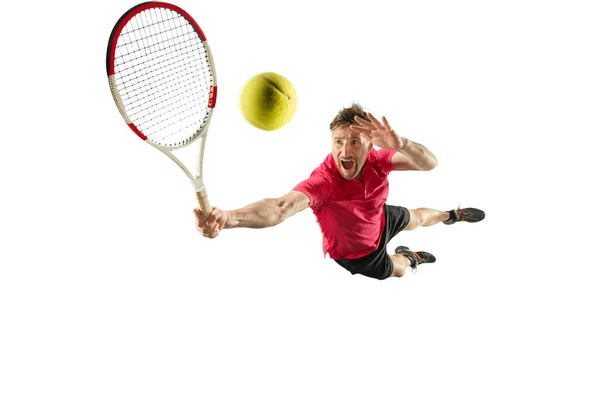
(349,151)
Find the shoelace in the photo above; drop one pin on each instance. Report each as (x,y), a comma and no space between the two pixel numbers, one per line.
(416,261)
(464,214)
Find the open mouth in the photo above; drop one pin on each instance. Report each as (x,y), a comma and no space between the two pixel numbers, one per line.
(347,164)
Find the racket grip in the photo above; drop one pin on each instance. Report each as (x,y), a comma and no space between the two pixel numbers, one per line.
(203,202)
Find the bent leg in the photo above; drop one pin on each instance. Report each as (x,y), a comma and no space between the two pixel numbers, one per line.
(401,263)
(425,217)
(405,258)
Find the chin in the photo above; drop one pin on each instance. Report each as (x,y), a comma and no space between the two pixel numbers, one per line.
(346,175)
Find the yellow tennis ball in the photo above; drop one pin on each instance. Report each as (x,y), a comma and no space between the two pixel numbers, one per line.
(268,101)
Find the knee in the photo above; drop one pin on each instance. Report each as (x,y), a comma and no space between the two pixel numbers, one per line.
(416,219)
(399,265)
(419,217)
(397,272)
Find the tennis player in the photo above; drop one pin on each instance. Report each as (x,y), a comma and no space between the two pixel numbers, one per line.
(348,194)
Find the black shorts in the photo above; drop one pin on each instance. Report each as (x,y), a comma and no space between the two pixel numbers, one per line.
(378,263)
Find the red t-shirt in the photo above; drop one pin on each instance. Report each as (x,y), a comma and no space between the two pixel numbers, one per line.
(350,212)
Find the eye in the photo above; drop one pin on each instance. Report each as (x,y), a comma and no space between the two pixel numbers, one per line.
(355,141)
(338,141)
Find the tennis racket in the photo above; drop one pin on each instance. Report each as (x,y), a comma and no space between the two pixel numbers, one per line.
(162,78)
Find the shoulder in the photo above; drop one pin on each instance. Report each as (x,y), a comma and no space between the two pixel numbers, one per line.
(326,170)
(382,159)
(318,187)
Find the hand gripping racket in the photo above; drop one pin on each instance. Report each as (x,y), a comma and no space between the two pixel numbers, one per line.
(162,78)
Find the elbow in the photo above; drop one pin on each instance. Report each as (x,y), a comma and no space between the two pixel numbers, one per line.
(284,207)
(275,212)
(431,164)
(283,211)
(427,167)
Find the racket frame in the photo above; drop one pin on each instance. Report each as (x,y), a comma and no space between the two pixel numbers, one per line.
(196,177)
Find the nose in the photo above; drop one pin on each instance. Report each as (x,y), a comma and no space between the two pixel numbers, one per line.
(346,149)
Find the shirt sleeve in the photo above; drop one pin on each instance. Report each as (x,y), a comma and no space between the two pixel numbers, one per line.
(317,188)
(383,158)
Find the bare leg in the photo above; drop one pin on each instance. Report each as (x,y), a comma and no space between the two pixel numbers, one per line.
(401,263)
(425,217)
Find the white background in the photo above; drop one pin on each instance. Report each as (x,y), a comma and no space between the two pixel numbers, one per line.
(108,292)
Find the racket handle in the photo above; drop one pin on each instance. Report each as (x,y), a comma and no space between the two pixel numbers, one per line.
(203,202)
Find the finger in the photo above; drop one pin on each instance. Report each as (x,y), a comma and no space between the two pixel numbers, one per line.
(200,218)
(364,132)
(374,121)
(360,129)
(386,124)
(214,215)
(362,122)
(367,135)
(212,221)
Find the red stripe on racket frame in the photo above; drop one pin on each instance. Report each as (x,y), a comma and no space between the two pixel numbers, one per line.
(114,36)
(212,100)
(137,131)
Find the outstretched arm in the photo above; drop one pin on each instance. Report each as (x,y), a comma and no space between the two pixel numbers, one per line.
(262,214)
(267,212)
(409,155)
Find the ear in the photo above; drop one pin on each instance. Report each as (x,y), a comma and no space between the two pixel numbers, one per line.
(370,146)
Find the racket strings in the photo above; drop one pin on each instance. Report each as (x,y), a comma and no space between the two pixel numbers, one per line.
(165,91)
(179,89)
(164,76)
(152,26)
(139,65)
(172,89)
(145,76)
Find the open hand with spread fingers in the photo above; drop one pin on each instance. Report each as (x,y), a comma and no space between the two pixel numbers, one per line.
(378,133)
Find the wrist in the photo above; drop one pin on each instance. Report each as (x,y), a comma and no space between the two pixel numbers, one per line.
(229,220)
(406,144)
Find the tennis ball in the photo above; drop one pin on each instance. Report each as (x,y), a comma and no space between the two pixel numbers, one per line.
(268,101)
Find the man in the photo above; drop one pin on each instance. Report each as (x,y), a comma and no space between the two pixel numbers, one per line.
(347,193)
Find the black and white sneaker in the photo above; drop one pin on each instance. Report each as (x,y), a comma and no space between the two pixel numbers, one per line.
(465,214)
(416,257)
